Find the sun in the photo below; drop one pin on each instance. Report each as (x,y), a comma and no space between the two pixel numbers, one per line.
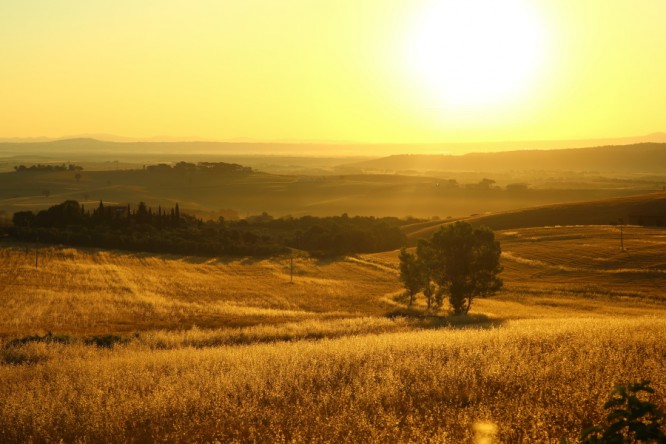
(475,53)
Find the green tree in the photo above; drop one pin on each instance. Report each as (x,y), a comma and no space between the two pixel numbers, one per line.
(411,274)
(142,214)
(464,262)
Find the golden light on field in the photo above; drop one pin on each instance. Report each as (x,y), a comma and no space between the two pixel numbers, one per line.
(110,346)
(476,53)
(316,278)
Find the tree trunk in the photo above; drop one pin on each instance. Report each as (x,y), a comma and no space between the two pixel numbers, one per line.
(469,304)
(457,302)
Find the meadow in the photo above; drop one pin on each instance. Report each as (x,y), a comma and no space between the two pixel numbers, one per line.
(108,346)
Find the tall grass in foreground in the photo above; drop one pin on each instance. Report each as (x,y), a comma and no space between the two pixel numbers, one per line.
(535,379)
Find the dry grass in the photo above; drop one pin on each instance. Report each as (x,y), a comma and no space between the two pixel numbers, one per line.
(97,292)
(538,380)
(587,258)
(230,351)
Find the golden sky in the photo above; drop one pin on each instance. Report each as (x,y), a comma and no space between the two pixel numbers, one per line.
(338,70)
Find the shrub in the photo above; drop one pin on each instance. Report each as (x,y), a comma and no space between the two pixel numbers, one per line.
(629,420)
(106,341)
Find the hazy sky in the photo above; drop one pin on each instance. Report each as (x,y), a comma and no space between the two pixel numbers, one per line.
(356,70)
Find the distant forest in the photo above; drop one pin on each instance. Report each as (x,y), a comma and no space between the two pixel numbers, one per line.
(212,167)
(48,167)
(169,231)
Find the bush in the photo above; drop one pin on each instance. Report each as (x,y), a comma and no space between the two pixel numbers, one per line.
(106,341)
(630,419)
(47,338)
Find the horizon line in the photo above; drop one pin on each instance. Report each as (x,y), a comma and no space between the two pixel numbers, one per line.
(110,138)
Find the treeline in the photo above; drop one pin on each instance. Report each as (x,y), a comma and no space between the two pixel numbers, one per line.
(72,214)
(333,235)
(211,167)
(47,167)
(169,231)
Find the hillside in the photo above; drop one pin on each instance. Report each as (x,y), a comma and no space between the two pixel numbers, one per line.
(94,291)
(636,158)
(646,209)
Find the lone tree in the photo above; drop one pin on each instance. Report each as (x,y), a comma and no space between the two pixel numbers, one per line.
(462,261)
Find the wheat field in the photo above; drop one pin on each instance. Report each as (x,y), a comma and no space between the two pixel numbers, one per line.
(104,346)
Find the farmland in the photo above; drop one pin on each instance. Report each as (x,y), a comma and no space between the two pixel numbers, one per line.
(442,194)
(113,346)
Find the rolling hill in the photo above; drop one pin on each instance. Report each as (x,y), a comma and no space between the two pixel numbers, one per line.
(635,158)
(646,209)
(297,195)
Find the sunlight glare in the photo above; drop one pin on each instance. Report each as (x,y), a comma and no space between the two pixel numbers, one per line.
(475,53)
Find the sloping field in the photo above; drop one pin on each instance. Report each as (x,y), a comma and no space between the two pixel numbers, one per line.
(98,292)
(183,349)
(92,291)
(586,262)
(645,208)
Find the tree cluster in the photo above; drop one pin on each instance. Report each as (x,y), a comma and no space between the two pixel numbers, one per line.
(338,235)
(137,229)
(70,213)
(169,231)
(47,168)
(458,260)
(210,167)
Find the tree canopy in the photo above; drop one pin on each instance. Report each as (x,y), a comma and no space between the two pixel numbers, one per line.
(165,230)
(462,261)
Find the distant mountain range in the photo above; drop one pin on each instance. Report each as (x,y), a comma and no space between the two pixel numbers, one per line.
(197,145)
(645,157)
(102,138)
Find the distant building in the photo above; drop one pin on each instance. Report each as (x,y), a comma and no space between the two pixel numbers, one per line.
(113,212)
(119,212)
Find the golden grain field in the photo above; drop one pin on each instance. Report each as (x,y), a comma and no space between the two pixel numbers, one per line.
(229,350)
